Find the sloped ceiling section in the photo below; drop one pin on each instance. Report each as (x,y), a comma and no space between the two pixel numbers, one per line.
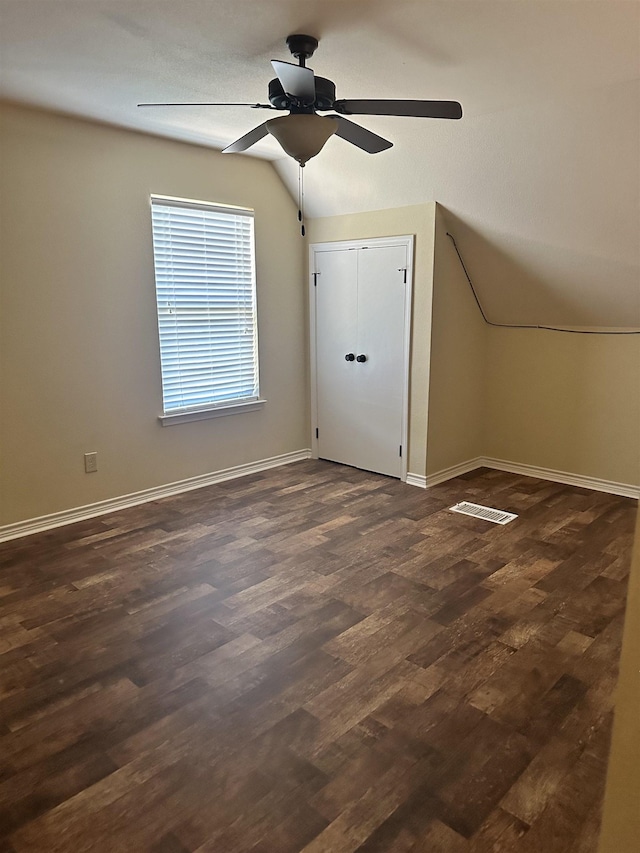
(540,179)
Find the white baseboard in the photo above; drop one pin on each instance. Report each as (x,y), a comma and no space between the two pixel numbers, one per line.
(445,474)
(418,480)
(625,490)
(69,516)
(453,471)
(59,519)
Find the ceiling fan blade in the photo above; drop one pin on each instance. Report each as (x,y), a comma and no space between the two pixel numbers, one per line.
(247,140)
(360,136)
(420,109)
(296,80)
(208,104)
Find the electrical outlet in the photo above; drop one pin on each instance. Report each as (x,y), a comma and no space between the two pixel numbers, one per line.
(90,463)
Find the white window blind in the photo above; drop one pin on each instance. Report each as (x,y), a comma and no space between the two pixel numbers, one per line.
(205,291)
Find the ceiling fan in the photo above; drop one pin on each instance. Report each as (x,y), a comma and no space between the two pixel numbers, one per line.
(303,132)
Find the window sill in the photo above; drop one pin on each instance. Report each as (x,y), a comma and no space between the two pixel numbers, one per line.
(219,411)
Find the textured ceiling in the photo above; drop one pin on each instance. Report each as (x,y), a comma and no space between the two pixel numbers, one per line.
(540,179)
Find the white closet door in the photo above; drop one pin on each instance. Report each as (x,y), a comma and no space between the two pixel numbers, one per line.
(379,381)
(360,309)
(336,337)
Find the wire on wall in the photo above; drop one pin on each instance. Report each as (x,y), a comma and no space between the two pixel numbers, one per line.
(523,326)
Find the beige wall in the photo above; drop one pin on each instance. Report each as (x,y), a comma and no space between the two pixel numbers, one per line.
(568,402)
(562,401)
(79,364)
(79,351)
(458,362)
(418,220)
(621,816)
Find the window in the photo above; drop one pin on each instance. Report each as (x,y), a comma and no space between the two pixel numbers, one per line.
(206,300)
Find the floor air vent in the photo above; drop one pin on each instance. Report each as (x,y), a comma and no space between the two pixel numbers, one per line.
(498,516)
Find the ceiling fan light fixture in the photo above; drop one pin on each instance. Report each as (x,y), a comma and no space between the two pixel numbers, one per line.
(303,135)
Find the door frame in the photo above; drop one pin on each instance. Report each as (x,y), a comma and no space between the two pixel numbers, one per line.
(407,241)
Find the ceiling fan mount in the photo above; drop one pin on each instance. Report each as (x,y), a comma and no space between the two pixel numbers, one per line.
(302,47)
(303,133)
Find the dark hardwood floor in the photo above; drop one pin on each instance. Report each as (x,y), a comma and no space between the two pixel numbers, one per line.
(318,659)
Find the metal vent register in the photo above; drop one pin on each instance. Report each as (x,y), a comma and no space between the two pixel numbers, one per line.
(498,516)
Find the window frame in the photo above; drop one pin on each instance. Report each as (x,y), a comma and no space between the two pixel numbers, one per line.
(229,405)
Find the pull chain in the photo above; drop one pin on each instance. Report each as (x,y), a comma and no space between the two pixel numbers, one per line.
(301,200)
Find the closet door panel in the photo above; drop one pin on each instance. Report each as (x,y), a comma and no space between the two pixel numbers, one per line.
(380,379)
(336,337)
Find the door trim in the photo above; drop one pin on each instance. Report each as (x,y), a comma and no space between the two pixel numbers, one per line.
(337,246)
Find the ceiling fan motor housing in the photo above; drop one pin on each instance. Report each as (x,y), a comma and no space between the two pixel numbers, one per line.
(325,96)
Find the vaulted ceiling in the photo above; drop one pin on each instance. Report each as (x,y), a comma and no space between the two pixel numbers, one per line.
(540,179)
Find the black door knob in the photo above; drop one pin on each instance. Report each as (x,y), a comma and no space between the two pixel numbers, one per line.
(349,357)
(361,358)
